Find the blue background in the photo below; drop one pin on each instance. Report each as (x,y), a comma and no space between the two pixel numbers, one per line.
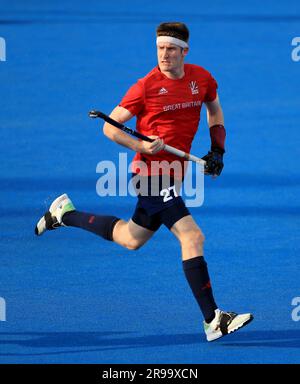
(74,298)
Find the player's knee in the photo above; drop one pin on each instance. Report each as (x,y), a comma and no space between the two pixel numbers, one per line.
(194,237)
(133,244)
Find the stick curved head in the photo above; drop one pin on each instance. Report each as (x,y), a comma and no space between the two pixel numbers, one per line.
(94,114)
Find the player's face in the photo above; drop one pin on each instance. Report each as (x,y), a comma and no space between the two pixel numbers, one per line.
(170,57)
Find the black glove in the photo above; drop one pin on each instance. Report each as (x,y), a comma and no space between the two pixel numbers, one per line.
(214,162)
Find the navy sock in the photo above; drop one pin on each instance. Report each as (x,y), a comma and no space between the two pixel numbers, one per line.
(196,273)
(100,225)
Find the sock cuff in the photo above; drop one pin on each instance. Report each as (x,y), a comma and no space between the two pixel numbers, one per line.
(195,262)
(65,217)
(112,226)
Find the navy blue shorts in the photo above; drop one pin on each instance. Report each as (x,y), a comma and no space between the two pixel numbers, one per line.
(164,206)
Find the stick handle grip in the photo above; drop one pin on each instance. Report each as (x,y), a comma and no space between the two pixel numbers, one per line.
(180,153)
(121,126)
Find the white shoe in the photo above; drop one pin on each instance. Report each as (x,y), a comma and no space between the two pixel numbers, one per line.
(53,218)
(225,323)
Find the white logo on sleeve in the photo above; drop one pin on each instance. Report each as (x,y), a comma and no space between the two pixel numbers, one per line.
(162,91)
(194,87)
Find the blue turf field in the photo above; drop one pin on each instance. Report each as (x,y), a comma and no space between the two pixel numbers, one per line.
(73,298)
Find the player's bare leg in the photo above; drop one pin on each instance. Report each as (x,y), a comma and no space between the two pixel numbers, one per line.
(190,237)
(130,235)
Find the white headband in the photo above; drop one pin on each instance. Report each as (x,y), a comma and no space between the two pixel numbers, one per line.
(172,40)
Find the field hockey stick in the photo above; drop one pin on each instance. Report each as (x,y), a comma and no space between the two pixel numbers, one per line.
(168,148)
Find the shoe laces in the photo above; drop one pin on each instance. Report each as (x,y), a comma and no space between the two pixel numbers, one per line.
(55,223)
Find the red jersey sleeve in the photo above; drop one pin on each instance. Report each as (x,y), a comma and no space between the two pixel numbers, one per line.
(211,92)
(133,101)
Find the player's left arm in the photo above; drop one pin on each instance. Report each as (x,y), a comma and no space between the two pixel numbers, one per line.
(215,120)
(214,112)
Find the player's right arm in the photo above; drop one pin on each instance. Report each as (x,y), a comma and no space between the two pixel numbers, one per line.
(122,115)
